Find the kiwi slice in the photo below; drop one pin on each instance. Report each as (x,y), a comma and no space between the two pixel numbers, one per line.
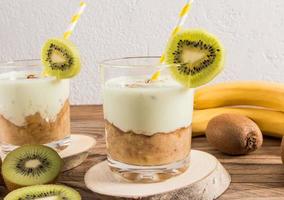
(197,57)
(40,192)
(60,58)
(31,165)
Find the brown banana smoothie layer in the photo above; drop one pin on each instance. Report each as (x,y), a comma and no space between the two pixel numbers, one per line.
(37,130)
(138,149)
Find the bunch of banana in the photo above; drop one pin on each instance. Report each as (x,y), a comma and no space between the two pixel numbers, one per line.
(261,101)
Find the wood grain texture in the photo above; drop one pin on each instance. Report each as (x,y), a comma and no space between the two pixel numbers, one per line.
(259,175)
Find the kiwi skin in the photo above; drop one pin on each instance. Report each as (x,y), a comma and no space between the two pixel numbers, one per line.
(234,134)
(282,150)
(12,186)
(1,178)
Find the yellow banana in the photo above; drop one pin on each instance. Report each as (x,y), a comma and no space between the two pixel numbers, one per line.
(256,93)
(269,121)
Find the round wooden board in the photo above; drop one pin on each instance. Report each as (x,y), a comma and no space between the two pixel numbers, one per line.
(76,152)
(205,179)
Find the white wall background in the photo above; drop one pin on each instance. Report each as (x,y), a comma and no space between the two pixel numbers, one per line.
(252,32)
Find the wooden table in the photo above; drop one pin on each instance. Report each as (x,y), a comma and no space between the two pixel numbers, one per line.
(259,175)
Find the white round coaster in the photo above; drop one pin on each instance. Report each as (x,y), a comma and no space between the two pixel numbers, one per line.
(79,144)
(205,179)
(77,151)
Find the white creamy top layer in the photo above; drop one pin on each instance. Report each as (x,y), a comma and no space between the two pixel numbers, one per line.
(147,108)
(21,97)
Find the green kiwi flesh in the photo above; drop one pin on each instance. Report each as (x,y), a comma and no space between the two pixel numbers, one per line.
(31,165)
(195,57)
(60,58)
(40,192)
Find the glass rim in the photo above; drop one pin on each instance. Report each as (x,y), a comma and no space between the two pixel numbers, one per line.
(110,63)
(20,63)
(27,65)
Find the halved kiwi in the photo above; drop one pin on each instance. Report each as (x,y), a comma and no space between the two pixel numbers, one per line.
(197,57)
(31,165)
(56,192)
(60,58)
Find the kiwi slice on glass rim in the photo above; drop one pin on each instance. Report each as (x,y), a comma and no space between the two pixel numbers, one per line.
(197,57)
(60,58)
(31,165)
(50,192)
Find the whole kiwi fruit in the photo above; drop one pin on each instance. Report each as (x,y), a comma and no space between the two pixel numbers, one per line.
(234,134)
(282,150)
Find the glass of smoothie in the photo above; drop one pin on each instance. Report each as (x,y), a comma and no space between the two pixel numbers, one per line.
(33,109)
(147,123)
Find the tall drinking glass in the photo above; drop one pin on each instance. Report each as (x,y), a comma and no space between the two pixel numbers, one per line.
(147,124)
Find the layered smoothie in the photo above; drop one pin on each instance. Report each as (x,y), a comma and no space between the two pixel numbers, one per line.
(147,124)
(33,110)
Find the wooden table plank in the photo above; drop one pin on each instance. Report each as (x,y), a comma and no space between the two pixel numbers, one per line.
(259,175)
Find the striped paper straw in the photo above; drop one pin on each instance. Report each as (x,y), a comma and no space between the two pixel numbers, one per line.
(181,20)
(74,20)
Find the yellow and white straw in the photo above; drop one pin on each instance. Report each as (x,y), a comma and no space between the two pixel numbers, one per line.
(74,20)
(181,20)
